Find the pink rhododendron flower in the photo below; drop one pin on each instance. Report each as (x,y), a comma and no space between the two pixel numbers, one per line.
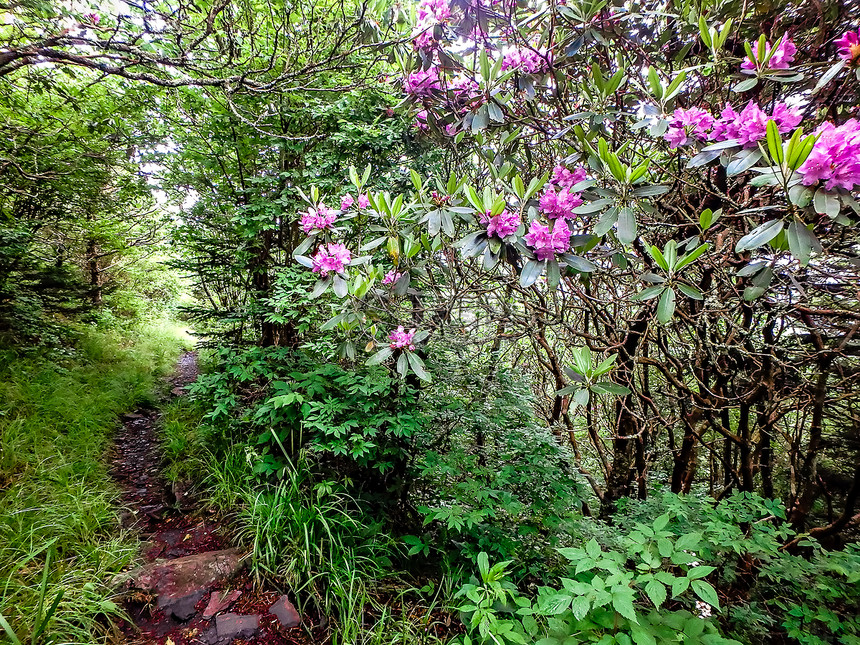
(751,124)
(346,201)
(422,83)
(319,219)
(835,158)
(422,37)
(421,120)
(781,59)
(529,61)
(559,204)
(501,225)
(687,125)
(848,47)
(391,277)
(331,257)
(545,243)
(363,201)
(433,11)
(401,339)
(564,178)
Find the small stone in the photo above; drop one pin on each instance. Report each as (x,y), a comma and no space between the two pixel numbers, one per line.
(183,608)
(285,612)
(236,626)
(220,601)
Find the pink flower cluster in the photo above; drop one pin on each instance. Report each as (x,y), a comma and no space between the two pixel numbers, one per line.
(391,277)
(747,126)
(835,158)
(347,201)
(848,47)
(564,178)
(501,225)
(331,257)
(433,11)
(422,83)
(402,339)
(530,61)
(558,201)
(750,125)
(430,13)
(559,204)
(318,219)
(781,59)
(547,243)
(688,124)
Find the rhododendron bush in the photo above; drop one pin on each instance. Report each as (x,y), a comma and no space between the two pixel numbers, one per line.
(674,189)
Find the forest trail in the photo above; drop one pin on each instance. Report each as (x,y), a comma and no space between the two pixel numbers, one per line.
(192,589)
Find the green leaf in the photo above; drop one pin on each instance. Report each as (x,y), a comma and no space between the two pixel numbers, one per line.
(679,586)
(626,226)
(417,366)
(607,387)
(592,548)
(666,306)
(690,291)
(658,257)
(800,242)
(759,236)
(531,272)
(829,75)
(622,602)
(648,293)
(692,256)
(656,592)
(580,606)
(706,592)
(701,571)
(743,86)
(774,142)
(379,356)
(826,203)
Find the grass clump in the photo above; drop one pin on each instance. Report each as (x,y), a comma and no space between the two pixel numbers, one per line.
(58,503)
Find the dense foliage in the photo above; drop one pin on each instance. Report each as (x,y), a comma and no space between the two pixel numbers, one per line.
(538,321)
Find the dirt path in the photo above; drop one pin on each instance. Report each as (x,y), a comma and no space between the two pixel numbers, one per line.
(192,589)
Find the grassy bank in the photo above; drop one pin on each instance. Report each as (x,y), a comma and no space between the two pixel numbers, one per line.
(58,503)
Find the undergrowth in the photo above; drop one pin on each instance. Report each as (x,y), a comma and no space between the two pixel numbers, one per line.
(306,534)
(58,503)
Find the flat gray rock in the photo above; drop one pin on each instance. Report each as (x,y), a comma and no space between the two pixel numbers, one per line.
(230,626)
(285,612)
(182,608)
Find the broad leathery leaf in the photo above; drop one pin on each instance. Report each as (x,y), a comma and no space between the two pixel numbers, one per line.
(627,226)
(666,306)
(417,366)
(379,356)
(759,236)
(826,203)
(690,291)
(648,293)
(320,287)
(531,272)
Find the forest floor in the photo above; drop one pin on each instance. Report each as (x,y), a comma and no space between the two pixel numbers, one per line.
(192,589)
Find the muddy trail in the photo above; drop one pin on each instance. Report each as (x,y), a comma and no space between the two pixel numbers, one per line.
(193,587)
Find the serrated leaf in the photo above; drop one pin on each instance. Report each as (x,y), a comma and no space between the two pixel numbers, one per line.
(706,592)
(656,592)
